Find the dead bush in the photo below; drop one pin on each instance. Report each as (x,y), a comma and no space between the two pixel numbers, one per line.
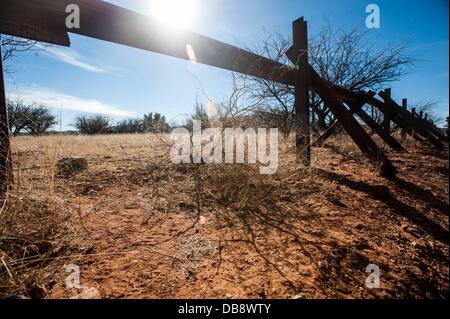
(237,186)
(29,227)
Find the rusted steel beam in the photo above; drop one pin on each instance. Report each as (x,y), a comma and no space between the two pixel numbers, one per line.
(356,108)
(387,115)
(350,125)
(405,108)
(108,22)
(5,145)
(326,135)
(436,132)
(413,123)
(302,125)
(432,128)
(414,117)
(402,118)
(320,114)
(22,19)
(406,121)
(423,127)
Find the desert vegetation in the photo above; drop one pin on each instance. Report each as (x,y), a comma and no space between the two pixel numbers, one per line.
(106,202)
(100,124)
(138,226)
(30,118)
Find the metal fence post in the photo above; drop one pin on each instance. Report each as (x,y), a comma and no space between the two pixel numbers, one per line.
(302,118)
(5,153)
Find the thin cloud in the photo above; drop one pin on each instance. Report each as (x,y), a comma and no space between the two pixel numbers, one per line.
(72,57)
(432,46)
(53,99)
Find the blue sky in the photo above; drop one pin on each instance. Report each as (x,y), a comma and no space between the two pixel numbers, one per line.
(95,76)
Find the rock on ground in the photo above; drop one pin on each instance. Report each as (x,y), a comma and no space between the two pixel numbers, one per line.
(71,165)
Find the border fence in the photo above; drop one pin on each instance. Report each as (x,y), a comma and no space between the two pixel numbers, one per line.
(44,20)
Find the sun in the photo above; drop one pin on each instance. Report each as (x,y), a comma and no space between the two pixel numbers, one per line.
(177,14)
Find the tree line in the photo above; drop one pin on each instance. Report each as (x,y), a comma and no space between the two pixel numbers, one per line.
(100,124)
(37,119)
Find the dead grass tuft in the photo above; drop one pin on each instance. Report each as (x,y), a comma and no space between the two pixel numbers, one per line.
(191,251)
(30,226)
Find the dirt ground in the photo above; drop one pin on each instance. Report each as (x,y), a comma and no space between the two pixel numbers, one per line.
(139,227)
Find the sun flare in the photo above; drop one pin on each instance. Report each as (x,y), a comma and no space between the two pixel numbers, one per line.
(178,14)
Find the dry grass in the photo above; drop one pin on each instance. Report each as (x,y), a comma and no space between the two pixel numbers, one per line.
(194,212)
(38,226)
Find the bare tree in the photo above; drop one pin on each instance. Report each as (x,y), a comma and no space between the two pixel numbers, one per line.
(94,124)
(232,112)
(239,108)
(155,122)
(343,57)
(346,58)
(428,108)
(40,120)
(129,126)
(199,114)
(32,118)
(13,46)
(273,101)
(17,114)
